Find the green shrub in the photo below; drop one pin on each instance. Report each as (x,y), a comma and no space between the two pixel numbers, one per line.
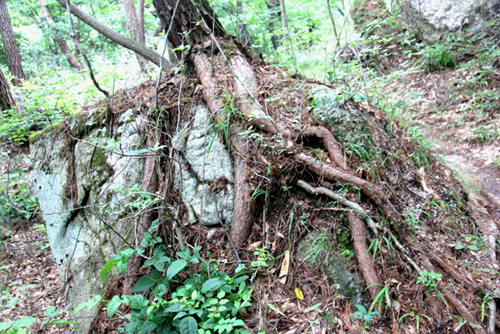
(204,300)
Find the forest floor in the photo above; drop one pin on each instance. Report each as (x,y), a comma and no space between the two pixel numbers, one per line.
(447,112)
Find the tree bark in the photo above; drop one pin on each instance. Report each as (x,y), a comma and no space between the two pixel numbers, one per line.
(273,17)
(140,18)
(134,26)
(9,43)
(6,99)
(117,38)
(63,46)
(284,21)
(185,23)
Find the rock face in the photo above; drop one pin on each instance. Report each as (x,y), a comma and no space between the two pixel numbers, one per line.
(89,188)
(81,180)
(434,18)
(317,249)
(206,172)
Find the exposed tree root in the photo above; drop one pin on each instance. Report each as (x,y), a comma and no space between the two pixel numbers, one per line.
(246,90)
(369,189)
(242,212)
(363,256)
(331,145)
(210,91)
(354,206)
(150,183)
(457,276)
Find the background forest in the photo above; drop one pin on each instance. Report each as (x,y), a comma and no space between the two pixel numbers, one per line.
(445,95)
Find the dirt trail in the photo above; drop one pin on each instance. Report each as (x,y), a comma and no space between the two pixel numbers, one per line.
(467,138)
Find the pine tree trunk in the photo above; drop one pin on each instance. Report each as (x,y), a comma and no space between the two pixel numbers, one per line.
(9,43)
(134,26)
(63,46)
(6,99)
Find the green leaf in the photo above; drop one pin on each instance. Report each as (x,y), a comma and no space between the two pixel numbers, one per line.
(175,268)
(24,322)
(212,285)
(188,325)
(107,268)
(113,305)
(309,309)
(144,283)
(6,325)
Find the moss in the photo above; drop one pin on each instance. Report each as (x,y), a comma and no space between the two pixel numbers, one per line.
(53,128)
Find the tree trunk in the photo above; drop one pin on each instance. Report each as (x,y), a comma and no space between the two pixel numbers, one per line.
(117,38)
(140,18)
(284,21)
(6,99)
(272,5)
(57,38)
(9,44)
(243,35)
(134,26)
(184,26)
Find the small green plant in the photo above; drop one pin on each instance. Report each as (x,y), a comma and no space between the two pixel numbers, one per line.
(376,247)
(207,301)
(414,219)
(496,163)
(379,298)
(439,56)
(358,147)
(430,279)
(484,133)
(16,201)
(417,316)
(263,258)
(471,242)
(365,315)
(18,326)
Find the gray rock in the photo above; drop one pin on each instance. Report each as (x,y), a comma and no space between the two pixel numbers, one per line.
(81,181)
(317,249)
(205,181)
(434,18)
(349,123)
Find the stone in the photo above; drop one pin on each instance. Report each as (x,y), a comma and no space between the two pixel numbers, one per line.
(349,123)
(317,249)
(435,18)
(205,181)
(80,178)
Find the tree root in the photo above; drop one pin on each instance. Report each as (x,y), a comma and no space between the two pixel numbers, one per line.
(204,69)
(150,183)
(331,145)
(354,206)
(242,211)
(369,189)
(246,90)
(363,256)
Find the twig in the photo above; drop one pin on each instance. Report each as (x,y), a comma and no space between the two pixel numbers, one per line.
(354,206)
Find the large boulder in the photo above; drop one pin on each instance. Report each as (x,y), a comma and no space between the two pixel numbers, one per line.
(435,18)
(81,179)
(89,187)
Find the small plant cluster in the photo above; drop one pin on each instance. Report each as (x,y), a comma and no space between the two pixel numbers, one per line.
(204,300)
